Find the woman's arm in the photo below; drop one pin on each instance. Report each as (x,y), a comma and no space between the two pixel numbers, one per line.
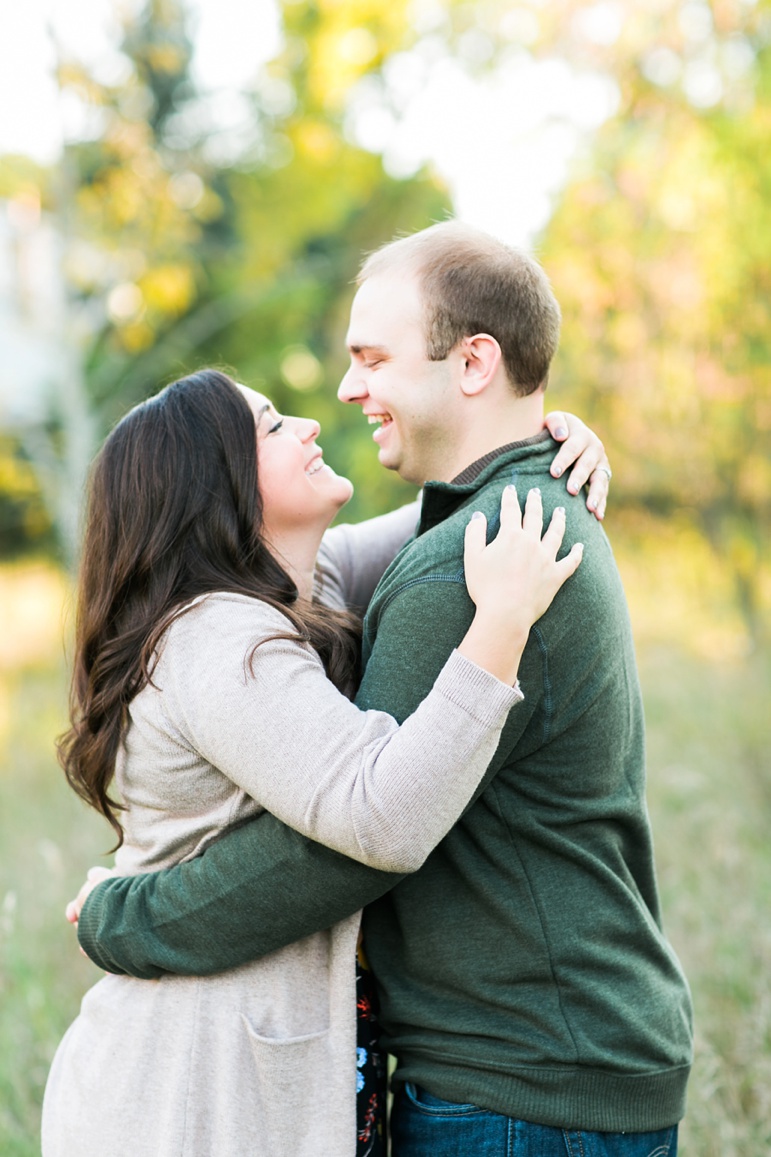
(354,556)
(354,780)
(264,885)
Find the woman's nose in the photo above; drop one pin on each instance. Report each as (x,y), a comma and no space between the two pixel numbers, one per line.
(309,429)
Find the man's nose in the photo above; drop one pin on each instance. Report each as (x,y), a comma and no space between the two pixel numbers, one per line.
(352,388)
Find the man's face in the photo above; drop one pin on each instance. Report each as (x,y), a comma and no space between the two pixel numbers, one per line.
(410,399)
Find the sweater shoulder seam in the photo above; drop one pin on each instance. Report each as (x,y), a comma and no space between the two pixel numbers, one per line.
(457,578)
(548,698)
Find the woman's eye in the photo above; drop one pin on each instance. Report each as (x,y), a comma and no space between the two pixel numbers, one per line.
(277,426)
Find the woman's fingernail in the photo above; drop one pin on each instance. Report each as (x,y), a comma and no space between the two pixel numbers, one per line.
(556,471)
(559,509)
(477,514)
(592,504)
(560,432)
(536,490)
(510,487)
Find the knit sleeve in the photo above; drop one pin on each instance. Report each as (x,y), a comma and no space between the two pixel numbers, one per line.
(354,556)
(411,633)
(351,779)
(261,887)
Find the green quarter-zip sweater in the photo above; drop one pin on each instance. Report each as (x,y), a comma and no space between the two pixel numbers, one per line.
(523,967)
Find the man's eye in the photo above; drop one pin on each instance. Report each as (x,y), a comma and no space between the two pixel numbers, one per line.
(277,426)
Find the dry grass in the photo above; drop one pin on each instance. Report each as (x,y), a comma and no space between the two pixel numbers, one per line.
(47,840)
(710,797)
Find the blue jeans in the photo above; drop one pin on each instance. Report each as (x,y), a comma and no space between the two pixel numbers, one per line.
(425,1126)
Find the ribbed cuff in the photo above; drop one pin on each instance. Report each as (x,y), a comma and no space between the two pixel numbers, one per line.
(474,689)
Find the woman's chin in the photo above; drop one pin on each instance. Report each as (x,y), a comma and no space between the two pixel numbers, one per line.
(343,492)
(348,492)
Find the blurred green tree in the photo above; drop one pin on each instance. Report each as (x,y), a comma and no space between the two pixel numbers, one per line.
(184,248)
(660,252)
(188,245)
(130,205)
(303,208)
(24,520)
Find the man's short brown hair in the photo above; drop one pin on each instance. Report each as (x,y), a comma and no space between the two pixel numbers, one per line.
(472,283)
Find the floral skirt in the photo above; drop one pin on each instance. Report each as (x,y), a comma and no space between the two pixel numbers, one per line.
(371,1070)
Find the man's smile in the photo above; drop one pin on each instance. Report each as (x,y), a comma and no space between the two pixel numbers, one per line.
(383,422)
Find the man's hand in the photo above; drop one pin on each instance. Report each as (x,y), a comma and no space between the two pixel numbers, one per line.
(583,450)
(94,877)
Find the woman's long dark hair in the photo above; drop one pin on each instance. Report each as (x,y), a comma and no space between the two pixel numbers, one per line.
(174,512)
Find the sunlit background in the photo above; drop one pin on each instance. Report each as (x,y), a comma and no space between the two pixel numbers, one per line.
(188,183)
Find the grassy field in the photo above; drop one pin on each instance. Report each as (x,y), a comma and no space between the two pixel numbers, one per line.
(710,799)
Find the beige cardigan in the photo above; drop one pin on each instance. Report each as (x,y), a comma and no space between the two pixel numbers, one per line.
(260,1061)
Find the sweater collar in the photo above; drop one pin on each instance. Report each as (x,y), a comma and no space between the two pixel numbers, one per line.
(441,499)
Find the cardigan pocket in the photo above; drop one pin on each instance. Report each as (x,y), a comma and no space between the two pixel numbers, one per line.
(292,1076)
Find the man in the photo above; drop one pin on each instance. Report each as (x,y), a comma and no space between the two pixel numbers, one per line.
(528,993)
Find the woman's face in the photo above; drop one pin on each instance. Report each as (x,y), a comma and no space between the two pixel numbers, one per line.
(297,488)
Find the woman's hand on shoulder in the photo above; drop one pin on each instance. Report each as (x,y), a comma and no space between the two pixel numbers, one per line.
(584,451)
(517,574)
(512,580)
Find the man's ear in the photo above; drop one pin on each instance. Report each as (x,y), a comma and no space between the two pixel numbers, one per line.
(480,358)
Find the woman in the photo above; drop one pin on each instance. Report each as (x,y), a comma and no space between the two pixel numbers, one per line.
(212,684)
